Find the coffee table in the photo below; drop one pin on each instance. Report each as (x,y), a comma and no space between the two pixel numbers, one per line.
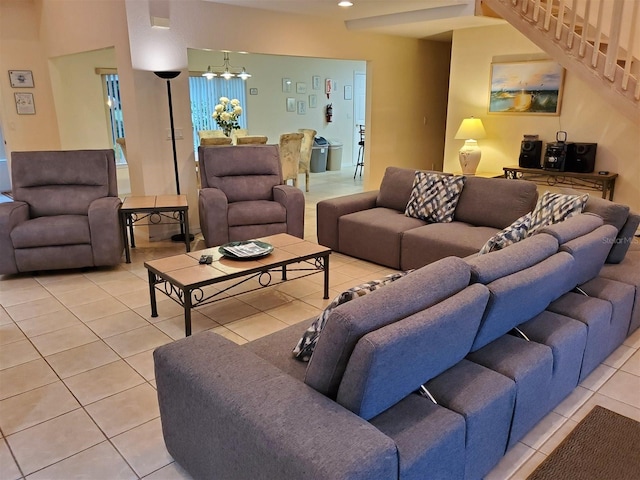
(182,278)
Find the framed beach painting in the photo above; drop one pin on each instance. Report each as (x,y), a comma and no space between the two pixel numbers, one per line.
(532,87)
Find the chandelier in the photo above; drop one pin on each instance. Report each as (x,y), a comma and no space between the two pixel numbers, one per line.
(226,70)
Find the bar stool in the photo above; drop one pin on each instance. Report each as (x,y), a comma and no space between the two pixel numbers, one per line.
(360,162)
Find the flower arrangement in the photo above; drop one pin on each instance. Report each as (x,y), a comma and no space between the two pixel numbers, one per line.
(226,114)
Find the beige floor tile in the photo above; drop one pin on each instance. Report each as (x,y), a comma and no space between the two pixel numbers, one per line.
(358,270)
(172,471)
(63,339)
(80,359)
(632,365)
(226,333)
(144,448)
(228,310)
(559,435)
(88,294)
(117,323)
(266,299)
(608,403)
(619,356)
(174,327)
(36,308)
(624,387)
(633,340)
(130,284)
(35,406)
(54,276)
(19,296)
(10,333)
(9,282)
(137,299)
(25,377)
(126,410)
(115,274)
(598,377)
(16,353)
(98,309)
(319,302)
(295,312)
(511,462)
(54,440)
(102,382)
(8,468)
(143,364)
(573,402)
(166,310)
(138,340)
(66,284)
(100,462)
(301,287)
(49,322)
(335,278)
(544,429)
(4,317)
(256,326)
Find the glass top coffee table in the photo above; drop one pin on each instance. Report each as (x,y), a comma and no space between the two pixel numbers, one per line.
(183,278)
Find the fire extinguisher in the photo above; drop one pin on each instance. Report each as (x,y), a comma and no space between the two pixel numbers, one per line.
(329,112)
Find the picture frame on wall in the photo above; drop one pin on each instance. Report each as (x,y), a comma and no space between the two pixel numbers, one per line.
(313,101)
(315,82)
(526,88)
(302,107)
(21,78)
(286,85)
(348,92)
(291,104)
(301,87)
(25,104)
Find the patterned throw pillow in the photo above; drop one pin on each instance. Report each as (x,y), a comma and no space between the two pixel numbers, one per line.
(307,343)
(555,207)
(434,197)
(515,232)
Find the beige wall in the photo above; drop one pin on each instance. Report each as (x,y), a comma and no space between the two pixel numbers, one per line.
(584,115)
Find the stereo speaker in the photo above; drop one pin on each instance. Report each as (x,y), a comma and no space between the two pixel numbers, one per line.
(583,159)
(530,154)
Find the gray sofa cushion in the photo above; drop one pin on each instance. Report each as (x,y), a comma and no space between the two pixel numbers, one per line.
(573,227)
(495,202)
(256,212)
(395,188)
(351,321)
(590,251)
(391,362)
(52,230)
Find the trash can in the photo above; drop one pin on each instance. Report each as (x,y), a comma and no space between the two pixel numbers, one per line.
(334,157)
(319,153)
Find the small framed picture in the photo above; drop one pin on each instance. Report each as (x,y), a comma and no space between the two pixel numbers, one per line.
(315,82)
(286,85)
(24,103)
(21,78)
(313,101)
(348,92)
(302,107)
(253,91)
(301,87)
(291,104)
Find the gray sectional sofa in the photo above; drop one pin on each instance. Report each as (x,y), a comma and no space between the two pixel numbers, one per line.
(497,340)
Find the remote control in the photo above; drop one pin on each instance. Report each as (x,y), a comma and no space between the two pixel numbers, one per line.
(206,259)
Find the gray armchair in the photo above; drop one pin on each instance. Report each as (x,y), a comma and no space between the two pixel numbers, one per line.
(64,213)
(243,196)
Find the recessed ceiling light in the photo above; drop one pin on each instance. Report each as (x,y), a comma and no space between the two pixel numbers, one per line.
(345,3)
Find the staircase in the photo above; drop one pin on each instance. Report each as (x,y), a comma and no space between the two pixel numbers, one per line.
(594,39)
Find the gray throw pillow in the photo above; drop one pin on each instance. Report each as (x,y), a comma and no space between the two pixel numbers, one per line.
(515,232)
(434,197)
(555,207)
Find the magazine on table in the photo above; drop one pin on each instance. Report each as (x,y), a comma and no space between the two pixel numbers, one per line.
(246,250)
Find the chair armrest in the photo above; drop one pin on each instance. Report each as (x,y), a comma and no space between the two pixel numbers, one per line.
(11,214)
(227,413)
(106,233)
(212,210)
(292,199)
(329,212)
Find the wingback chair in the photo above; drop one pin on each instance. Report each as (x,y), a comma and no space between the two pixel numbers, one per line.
(242,195)
(306,149)
(290,144)
(64,213)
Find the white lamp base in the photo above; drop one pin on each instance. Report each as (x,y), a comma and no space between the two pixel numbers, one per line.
(469,157)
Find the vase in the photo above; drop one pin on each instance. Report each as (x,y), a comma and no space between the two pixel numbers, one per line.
(227,132)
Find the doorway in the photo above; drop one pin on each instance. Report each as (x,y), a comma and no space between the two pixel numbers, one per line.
(359,109)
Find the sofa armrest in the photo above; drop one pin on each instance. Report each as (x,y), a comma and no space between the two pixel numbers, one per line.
(329,212)
(625,237)
(106,234)
(227,413)
(292,199)
(11,214)
(212,210)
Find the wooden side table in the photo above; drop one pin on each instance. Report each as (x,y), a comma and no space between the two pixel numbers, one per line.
(153,210)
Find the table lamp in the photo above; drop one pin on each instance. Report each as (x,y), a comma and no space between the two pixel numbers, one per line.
(471,129)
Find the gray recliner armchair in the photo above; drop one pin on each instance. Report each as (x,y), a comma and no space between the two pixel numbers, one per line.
(243,196)
(64,213)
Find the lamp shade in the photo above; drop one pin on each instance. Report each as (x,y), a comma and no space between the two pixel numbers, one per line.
(471,128)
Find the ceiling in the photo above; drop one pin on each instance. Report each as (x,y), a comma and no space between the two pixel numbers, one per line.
(433,19)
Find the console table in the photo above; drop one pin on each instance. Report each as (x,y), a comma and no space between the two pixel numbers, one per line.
(586,181)
(153,210)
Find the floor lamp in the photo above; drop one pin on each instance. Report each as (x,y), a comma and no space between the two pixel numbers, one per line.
(168,76)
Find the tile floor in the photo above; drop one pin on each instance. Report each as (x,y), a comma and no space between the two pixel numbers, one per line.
(77,390)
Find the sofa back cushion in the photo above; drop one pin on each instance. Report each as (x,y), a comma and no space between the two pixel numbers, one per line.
(572,227)
(351,321)
(395,188)
(495,202)
(392,362)
(247,172)
(63,182)
(590,252)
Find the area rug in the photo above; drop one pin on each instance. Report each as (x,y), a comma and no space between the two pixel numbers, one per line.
(604,446)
